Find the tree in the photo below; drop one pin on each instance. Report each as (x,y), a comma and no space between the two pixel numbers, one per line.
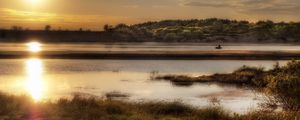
(47,28)
(3,34)
(264,29)
(108,28)
(16,28)
(121,25)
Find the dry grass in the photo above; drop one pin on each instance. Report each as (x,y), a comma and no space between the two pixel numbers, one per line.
(89,108)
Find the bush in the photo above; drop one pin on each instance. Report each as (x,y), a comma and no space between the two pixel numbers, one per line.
(285,85)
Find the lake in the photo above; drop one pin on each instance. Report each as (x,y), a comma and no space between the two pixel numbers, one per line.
(50,79)
(150,47)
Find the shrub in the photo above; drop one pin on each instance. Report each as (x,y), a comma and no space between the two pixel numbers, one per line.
(284,84)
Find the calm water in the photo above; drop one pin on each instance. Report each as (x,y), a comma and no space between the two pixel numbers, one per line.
(149,47)
(49,79)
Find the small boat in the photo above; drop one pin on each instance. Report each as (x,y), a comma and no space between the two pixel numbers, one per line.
(219,47)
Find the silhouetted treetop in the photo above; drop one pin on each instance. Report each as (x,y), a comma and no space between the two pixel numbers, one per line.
(47,27)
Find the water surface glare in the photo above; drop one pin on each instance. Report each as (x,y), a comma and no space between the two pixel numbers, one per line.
(50,79)
(89,47)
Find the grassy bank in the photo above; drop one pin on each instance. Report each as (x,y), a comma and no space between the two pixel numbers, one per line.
(83,108)
(281,84)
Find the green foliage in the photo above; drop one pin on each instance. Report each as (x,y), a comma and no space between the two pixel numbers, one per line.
(210,30)
(204,30)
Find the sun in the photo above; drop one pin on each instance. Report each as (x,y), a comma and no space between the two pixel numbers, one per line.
(34,47)
(34,2)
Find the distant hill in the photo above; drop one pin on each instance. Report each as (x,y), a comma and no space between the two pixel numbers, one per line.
(204,31)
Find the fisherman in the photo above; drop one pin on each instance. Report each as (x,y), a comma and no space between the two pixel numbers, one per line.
(219,45)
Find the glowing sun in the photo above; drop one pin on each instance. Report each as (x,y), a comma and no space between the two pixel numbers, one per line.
(34,47)
(34,2)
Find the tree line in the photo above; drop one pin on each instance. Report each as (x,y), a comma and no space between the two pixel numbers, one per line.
(194,30)
(209,30)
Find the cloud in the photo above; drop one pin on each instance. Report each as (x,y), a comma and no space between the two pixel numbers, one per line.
(210,3)
(131,6)
(250,6)
(15,15)
(39,19)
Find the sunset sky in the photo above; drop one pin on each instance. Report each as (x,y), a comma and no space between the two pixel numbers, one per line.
(93,14)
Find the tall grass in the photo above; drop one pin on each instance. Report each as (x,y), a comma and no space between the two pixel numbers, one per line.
(89,108)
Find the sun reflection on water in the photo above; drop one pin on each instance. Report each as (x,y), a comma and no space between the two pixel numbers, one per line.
(34,83)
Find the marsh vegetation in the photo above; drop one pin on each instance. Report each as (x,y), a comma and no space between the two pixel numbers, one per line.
(280,84)
(90,108)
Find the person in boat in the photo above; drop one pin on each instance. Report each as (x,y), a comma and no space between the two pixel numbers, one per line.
(219,47)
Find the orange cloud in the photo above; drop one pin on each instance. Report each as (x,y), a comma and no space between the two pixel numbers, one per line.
(11,17)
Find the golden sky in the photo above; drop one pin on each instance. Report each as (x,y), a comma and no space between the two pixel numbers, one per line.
(93,14)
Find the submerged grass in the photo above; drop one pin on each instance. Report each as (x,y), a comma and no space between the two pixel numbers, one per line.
(243,76)
(89,108)
(281,84)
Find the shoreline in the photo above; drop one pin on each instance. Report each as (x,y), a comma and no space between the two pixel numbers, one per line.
(92,108)
(158,55)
